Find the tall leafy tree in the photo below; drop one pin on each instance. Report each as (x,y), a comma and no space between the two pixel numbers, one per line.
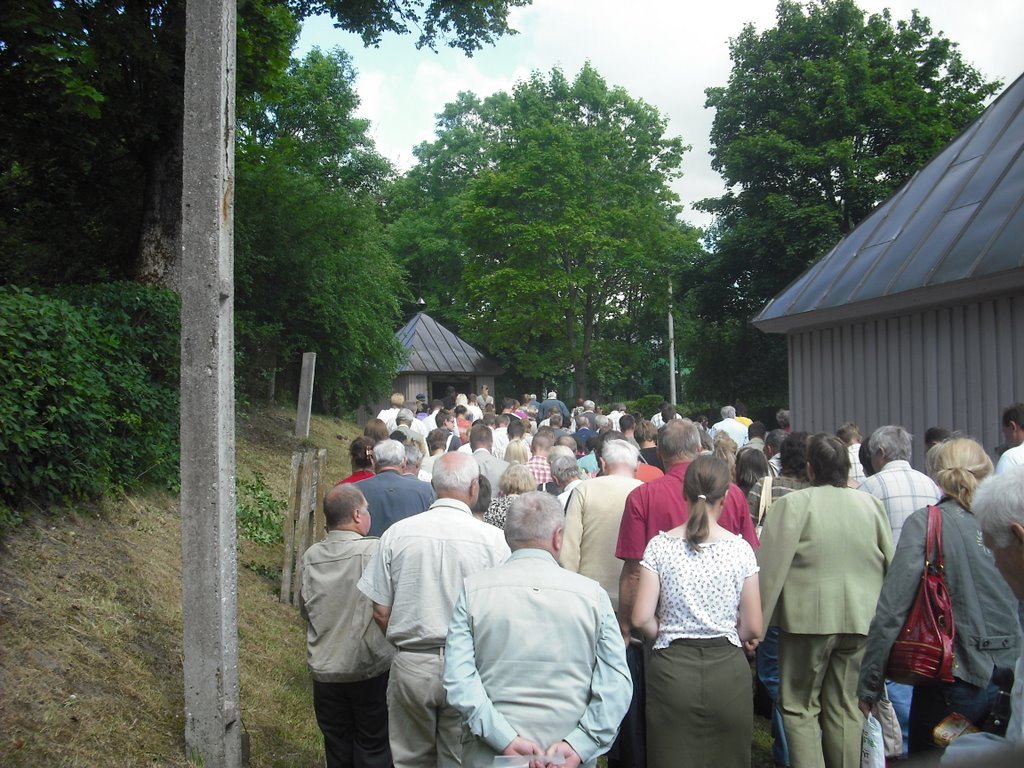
(824,116)
(92,98)
(311,271)
(549,213)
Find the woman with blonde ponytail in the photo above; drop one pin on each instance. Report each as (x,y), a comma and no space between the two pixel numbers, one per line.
(698,599)
(984,608)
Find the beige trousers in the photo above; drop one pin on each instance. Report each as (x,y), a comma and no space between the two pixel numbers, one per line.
(818,699)
(424,731)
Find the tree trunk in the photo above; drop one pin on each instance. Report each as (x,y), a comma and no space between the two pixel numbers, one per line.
(159,255)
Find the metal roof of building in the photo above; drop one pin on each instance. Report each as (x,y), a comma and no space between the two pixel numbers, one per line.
(433,348)
(955,230)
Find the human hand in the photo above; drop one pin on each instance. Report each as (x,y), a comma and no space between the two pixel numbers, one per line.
(521,746)
(564,748)
(750,646)
(864,707)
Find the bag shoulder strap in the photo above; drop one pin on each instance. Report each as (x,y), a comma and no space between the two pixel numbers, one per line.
(933,539)
(766,499)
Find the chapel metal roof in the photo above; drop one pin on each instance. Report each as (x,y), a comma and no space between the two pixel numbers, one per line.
(955,230)
(432,348)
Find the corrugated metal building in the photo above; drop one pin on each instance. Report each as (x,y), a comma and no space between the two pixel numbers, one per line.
(917,316)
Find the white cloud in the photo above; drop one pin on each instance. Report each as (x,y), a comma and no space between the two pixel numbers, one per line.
(663,51)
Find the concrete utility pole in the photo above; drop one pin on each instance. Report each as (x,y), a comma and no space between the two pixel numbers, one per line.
(209,576)
(671,350)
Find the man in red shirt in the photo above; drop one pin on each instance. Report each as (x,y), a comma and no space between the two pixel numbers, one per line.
(659,506)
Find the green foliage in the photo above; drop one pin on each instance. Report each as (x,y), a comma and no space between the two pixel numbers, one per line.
(465,25)
(92,99)
(536,220)
(259,512)
(88,391)
(144,373)
(54,399)
(311,273)
(824,116)
(648,405)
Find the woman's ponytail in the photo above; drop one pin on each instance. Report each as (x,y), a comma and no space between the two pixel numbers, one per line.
(706,483)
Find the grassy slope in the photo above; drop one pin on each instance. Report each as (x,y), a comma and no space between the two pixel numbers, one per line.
(90,628)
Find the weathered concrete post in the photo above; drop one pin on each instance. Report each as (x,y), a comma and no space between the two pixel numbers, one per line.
(213,728)
(305,395)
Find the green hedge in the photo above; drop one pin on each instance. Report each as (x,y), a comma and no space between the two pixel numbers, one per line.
(88,391)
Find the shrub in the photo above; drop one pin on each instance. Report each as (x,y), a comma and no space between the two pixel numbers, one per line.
(143,375)
(648,405)
(55,401)
(88,391)
(259,513)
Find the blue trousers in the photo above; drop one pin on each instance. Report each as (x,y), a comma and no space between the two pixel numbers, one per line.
(768,674)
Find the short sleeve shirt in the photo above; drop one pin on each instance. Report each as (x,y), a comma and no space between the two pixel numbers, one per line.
(700,588)
(419,568)
(659,506)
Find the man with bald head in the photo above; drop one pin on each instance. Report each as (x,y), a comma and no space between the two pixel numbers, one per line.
(347,654)
(534,662)
(413,581)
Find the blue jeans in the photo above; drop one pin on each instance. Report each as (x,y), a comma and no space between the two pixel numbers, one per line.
(932,703)
(768,674)
(900,695)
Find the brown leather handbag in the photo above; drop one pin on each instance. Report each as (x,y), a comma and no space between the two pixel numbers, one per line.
(923,651)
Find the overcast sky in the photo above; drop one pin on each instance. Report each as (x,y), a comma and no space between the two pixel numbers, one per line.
(665,52)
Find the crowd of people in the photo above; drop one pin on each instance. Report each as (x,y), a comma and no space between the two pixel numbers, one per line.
(520,578)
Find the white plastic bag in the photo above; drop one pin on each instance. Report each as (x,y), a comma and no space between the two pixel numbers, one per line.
(872,747)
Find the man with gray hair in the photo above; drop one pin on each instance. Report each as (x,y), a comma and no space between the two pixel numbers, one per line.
(593,514)
(567,475)
(413,580)
(901,488)
(391,494)
(999,507)
(534,662)
(729,424)
(412,428)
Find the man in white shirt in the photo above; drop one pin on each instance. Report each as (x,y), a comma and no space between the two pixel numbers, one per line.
(737,430)
(473,412)
(1013,432)
(901,488)
(413,581)
(388,414)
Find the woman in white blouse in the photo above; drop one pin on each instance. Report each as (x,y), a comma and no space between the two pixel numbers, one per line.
(699,600)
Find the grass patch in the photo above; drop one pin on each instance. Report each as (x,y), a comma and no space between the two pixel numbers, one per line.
(90,626)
